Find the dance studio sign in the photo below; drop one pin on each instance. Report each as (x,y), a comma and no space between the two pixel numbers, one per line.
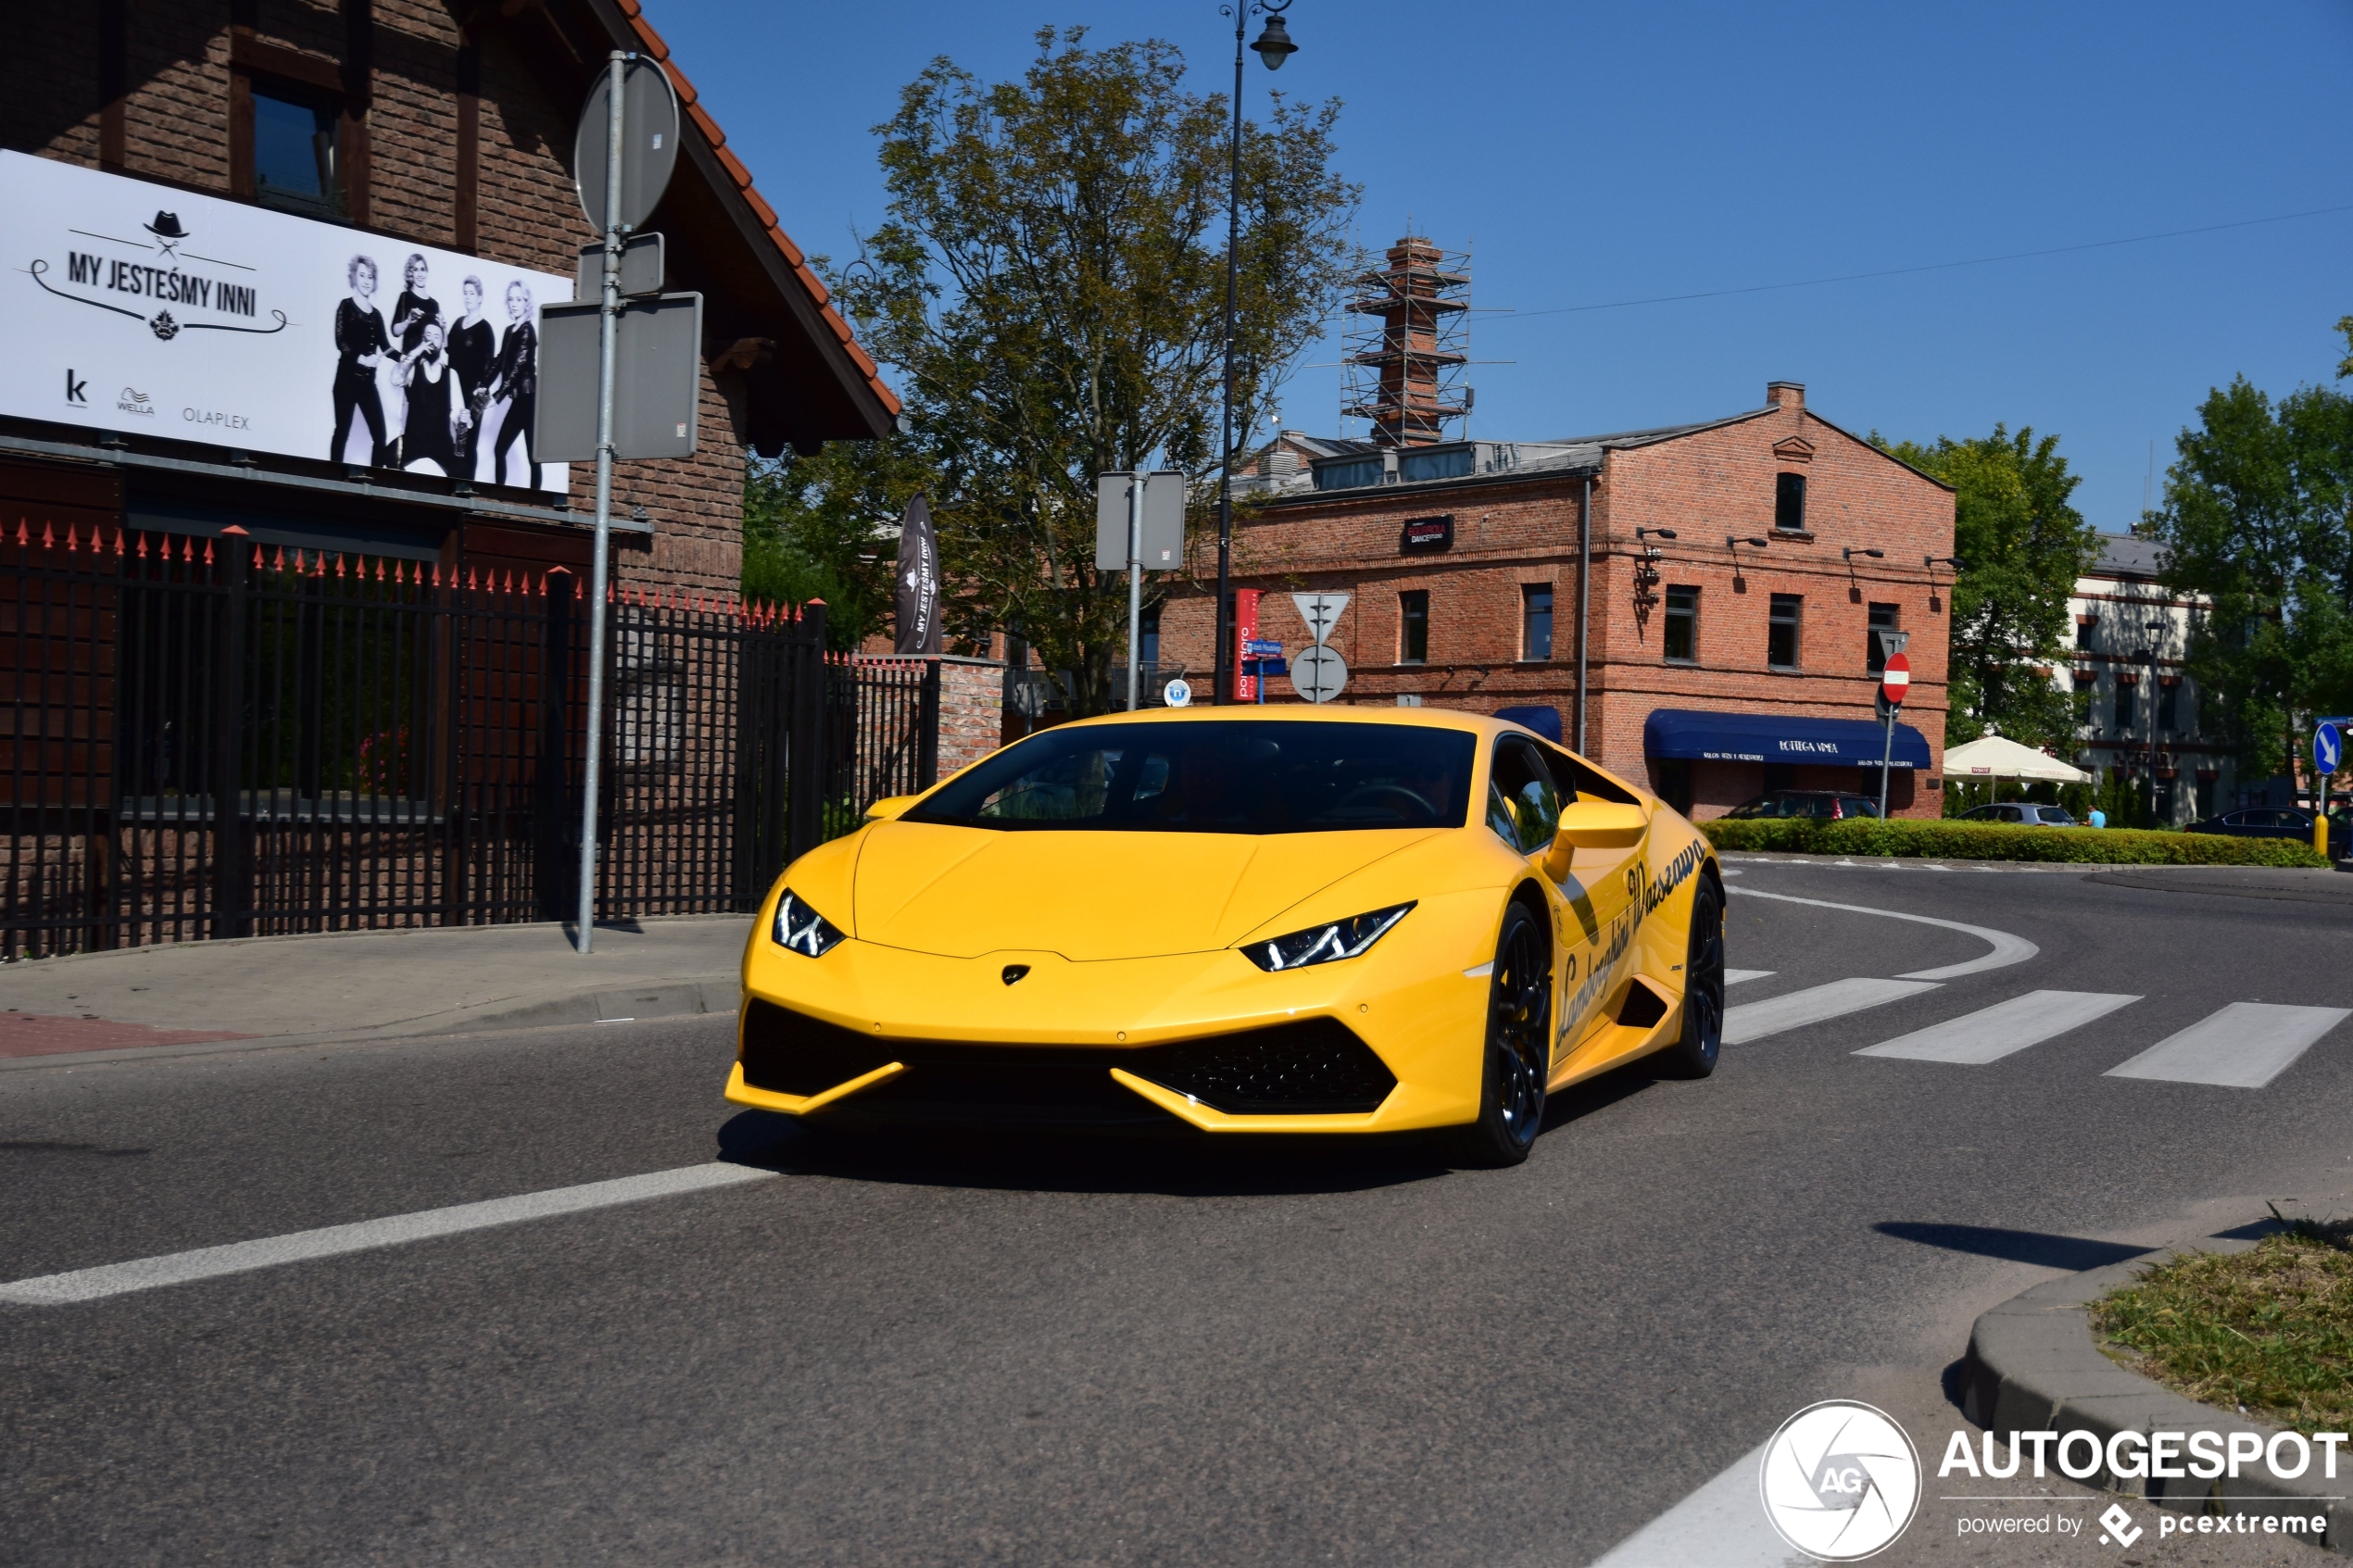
(137,308)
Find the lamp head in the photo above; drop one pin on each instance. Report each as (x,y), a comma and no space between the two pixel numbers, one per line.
(1274,44)
(1851,552)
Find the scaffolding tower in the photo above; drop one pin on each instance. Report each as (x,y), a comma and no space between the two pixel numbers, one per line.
(1406,343)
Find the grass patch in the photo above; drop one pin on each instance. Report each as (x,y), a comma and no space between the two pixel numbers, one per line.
(1904,837)
(2270,1328)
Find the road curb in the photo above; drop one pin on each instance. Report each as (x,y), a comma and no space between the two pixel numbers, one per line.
(2033,1366)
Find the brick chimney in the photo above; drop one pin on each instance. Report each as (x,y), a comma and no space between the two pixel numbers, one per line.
(1786,394)
(1418,299)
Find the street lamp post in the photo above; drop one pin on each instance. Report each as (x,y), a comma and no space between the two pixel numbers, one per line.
(2156,630)
(1273,46)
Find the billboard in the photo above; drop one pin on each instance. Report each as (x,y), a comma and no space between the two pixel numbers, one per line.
(137,308)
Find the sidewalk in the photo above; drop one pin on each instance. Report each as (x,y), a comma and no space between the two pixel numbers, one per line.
(365,985)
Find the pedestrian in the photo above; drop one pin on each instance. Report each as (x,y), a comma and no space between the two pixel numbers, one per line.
(2099,818)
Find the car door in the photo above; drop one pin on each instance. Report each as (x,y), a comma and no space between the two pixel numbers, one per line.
(1585,893)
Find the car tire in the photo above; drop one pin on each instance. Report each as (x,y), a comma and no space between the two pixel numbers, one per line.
(1694,1056)
(1515,1053)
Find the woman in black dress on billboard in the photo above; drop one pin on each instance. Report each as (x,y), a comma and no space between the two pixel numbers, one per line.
(516,382)
(472,350)
(425,376)
(361,346)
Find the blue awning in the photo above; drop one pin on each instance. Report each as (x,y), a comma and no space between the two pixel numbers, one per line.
(1776,737)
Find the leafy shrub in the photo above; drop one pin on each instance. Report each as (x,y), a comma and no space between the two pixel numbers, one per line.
(1904,837)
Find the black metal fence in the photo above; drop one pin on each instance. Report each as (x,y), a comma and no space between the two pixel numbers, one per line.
(204,737)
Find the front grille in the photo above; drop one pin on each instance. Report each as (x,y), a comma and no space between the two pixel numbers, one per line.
(1312,1067)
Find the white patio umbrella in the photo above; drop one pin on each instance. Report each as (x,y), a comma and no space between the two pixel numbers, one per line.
(1997,757)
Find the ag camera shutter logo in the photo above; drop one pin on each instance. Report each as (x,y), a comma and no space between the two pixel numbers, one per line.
(1840,1480)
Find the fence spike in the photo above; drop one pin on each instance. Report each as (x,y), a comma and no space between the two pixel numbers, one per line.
(143,547)
(71,546)
(279,564)
(48,534)
(380,569)
(208,553)
(22,540)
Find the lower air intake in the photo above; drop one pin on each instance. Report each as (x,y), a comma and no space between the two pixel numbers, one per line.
(1316,1067)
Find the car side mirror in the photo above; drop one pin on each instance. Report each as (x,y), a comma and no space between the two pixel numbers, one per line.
(1596,824)
(890,808)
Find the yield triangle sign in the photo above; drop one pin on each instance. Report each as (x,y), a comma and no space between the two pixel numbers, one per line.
(1321,611)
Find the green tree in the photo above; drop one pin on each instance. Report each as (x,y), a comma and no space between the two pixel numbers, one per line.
(826,527)
(1050,286)
(2022,546)
(2256,521)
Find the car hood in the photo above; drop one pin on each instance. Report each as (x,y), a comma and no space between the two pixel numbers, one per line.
(963,892)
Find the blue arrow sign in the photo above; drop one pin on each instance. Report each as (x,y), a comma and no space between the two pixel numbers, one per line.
(2328,748)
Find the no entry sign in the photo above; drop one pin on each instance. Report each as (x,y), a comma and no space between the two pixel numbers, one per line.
(1897,679)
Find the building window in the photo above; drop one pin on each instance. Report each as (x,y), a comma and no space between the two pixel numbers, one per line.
(1789,502)
(1148,637)
(2168,708)
(1536,620)
(1413,627)
(2124,707)
(1780,637)
(2083,627)
(2205,788)
(1874,649)
(293,155)
(1682,626)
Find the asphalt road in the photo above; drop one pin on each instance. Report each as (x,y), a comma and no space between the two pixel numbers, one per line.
(1026,1351)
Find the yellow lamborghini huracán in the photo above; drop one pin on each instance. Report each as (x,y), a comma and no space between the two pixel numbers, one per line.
(1247,919)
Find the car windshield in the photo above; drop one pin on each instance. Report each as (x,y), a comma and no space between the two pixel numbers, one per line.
(1216,776)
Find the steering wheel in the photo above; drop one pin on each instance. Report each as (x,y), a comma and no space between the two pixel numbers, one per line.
(1409,804)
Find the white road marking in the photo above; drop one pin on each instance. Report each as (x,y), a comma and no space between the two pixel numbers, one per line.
(2008,949)
(1991,1033)
(1754,1021)
(1722,1526)
(1734,976)
(2243,1046)
(209,1262)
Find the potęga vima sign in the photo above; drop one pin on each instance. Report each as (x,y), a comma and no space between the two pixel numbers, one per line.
(140,308)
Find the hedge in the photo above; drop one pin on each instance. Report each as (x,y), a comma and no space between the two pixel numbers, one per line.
(1947,840)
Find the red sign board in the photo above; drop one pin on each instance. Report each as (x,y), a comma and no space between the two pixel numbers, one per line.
(1245,633)
(1897,679)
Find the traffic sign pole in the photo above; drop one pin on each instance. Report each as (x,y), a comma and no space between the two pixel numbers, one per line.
(618,65)
(2328,751)
(1135,583)
(1895,682)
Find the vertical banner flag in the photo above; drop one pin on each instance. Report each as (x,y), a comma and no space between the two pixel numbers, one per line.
(1245,633)
(918,596)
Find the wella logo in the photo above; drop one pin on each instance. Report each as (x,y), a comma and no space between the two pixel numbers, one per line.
(136,402)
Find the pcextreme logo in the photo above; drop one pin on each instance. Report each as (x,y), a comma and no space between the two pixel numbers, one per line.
(1840,1481)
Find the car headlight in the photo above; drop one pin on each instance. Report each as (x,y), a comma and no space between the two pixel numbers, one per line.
(1328,943)
(802,929)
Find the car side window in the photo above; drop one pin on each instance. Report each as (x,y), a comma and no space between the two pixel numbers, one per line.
(1523,804)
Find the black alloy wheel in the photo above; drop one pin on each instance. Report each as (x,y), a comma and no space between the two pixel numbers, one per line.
(1518,1052)
(1694,1055)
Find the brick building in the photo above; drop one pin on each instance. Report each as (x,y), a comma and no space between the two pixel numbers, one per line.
(1720,642)
(392,127)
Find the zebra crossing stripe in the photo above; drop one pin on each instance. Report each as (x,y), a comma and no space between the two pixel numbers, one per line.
(1991,1033)
(1734,976)
(1754,1021)
(2244,1046)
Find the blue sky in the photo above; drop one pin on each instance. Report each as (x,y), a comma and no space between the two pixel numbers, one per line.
(1593,154)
